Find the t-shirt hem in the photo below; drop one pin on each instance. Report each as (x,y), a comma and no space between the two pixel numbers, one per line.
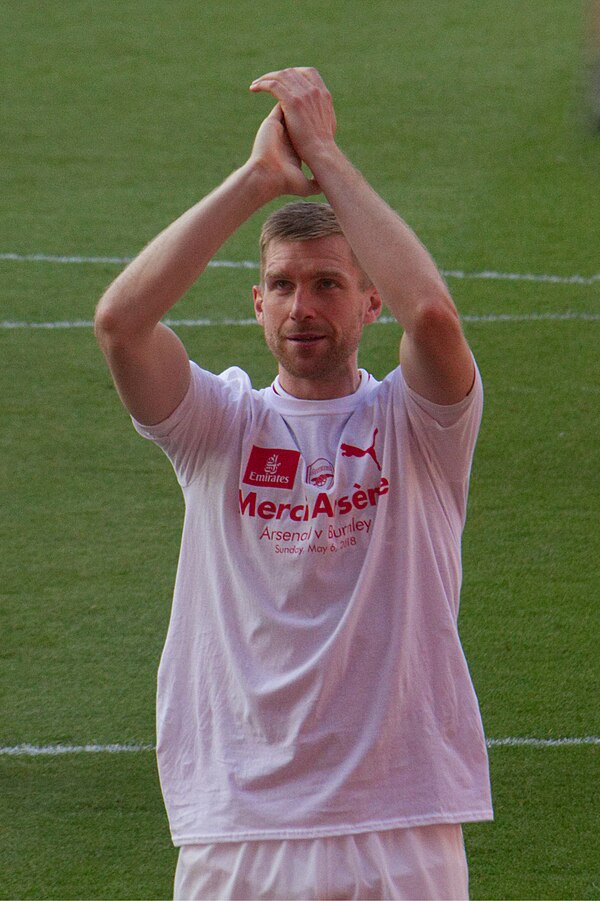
(330,831)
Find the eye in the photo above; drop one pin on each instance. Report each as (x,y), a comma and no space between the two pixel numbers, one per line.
(328,283)
(279,284)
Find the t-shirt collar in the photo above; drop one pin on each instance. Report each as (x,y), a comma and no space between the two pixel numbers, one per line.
(284,402)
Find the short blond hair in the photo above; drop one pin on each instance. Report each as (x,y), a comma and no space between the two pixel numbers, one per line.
(301,221)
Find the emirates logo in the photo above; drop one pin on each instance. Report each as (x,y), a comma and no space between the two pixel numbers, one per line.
(271,467)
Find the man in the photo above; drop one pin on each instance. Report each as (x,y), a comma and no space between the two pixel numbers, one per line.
(318,733)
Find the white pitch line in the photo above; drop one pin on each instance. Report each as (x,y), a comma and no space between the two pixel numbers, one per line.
(28,750)
(530,317)
(48,258)
(111,261)
(75,323)
(523,277)
(583,316)
(542,742)
(487,274)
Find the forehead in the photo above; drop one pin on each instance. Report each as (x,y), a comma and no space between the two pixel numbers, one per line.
(311,255)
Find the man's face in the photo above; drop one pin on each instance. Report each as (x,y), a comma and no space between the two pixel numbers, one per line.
(313,303)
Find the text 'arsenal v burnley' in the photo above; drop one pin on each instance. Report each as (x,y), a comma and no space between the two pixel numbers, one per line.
(272,467)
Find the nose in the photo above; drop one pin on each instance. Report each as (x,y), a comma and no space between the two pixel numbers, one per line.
(302,305)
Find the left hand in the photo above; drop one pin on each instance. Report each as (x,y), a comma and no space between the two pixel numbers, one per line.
(274,154)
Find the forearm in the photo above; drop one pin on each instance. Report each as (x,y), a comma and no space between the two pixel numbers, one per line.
(435,357)
(396,261)
(159,276)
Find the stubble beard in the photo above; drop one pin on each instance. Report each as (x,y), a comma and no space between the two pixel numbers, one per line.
(302,363)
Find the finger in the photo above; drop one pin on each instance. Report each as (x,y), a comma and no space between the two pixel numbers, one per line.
(298,76)
(269,76)
(303,71)
(307,188)
(277,113)
(263,82)
(311,74)
(273,86)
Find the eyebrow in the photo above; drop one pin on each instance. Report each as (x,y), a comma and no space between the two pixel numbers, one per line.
(320,273)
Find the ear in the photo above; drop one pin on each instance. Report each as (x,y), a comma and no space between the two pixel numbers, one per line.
(257,298)
(374,305)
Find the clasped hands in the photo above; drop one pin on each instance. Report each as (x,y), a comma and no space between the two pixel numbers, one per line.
(300,129)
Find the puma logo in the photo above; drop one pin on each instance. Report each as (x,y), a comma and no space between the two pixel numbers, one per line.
(349,450)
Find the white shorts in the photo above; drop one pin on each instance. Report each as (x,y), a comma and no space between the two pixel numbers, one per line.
(425,862)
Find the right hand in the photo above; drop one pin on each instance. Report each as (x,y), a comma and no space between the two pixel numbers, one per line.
(274,154)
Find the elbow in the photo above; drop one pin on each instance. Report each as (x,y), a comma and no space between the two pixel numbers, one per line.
(110,322)
(106,322)
(436,315)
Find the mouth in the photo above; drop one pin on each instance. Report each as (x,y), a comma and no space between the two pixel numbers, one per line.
(305,339)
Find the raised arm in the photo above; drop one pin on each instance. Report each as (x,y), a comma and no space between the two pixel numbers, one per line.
(434,354)
(148,362)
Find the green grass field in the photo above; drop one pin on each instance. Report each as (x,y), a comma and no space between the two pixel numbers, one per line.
(469,116)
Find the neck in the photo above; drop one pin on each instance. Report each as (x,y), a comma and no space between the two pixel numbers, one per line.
(319,389)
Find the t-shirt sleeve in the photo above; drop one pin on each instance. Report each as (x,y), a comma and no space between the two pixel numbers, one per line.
(446,434)
(199,428)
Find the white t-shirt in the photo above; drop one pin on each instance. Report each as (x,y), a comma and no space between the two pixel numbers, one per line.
(312,681)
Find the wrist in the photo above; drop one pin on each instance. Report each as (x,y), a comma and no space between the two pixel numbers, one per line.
(324,157)
(260,181)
